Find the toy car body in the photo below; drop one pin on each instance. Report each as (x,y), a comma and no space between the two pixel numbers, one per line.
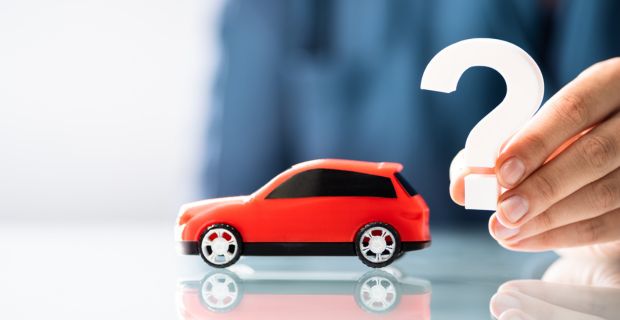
(319,207)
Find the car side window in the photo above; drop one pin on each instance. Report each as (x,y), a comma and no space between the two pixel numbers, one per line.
(334,183)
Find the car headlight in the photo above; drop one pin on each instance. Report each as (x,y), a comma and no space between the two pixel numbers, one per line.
(178,232)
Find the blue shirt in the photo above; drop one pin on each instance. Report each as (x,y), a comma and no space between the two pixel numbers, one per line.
(301,80)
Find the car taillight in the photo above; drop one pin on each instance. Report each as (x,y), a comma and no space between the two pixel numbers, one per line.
(420,203)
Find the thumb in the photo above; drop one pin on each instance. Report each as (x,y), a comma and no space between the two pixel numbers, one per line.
(458,171)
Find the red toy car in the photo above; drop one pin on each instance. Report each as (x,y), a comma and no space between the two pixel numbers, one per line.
(319,207)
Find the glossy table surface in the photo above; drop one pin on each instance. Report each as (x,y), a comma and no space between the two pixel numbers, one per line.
(131,271)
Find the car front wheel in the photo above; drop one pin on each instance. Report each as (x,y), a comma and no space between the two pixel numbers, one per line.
(377,244)
(220,246)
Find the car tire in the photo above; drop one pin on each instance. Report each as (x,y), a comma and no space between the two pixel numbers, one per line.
(220,245)
(377,244)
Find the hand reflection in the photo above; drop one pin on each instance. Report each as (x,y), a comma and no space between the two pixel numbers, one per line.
(571,288)
(225,294)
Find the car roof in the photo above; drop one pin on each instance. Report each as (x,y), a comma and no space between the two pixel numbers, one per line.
(374,168)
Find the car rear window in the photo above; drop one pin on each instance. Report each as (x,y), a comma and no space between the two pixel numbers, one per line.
(403,182)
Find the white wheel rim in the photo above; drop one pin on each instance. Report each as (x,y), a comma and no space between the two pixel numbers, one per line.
(377,244)
(378,293)
(219,246)
(220,291)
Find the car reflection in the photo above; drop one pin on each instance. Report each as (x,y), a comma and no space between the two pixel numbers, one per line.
(224,294)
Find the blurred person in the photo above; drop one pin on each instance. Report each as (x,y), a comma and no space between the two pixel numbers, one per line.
(301,80)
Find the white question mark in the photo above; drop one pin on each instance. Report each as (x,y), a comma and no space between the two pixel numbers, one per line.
(524,93)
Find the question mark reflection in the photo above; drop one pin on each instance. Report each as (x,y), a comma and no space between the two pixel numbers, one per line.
(571,288)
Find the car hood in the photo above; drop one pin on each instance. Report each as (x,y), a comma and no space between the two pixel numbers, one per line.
(189,210)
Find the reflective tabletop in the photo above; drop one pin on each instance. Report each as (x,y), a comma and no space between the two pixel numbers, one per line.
(112,270)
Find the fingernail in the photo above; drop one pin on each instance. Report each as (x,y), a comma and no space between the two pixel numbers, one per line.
(502,302)
(514,208)
(504,233)
(512,171)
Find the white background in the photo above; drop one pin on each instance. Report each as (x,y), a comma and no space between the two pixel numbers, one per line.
(102,125)
(102,107)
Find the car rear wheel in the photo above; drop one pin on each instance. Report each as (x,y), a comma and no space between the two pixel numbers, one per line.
(377,244)
(220,246)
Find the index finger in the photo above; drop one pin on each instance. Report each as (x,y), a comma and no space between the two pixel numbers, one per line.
(585,101)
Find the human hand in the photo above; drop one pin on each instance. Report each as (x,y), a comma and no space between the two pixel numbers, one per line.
(562,171)
(570,289)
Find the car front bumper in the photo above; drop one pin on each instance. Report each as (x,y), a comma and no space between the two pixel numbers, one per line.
(187,247)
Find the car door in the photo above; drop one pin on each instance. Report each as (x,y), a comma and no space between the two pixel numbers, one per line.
(323,205)
(287,212)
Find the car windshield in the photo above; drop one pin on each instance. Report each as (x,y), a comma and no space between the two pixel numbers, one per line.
(403,182)
(266,186)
